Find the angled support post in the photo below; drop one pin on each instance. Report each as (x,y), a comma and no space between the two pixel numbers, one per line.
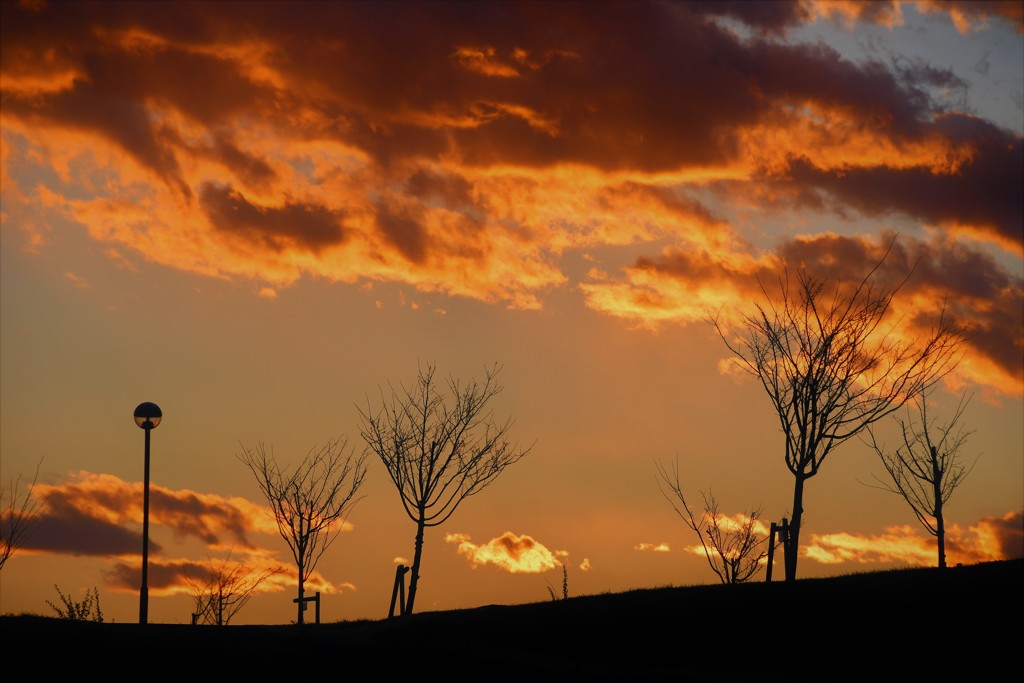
(398,592)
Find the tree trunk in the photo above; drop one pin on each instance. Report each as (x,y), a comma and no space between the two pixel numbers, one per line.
(940,528)
(301,604)
(792,546)
(414,572)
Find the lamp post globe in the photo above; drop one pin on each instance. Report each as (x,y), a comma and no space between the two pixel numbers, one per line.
(147,417)
(148,412)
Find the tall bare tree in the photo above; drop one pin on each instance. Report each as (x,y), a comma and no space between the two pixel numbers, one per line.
(225,588)
(311,502)
(440,444)
(733,549)
(17,516)
(927,469)
(832,364)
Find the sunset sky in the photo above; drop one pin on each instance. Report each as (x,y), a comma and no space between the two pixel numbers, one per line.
(256,214)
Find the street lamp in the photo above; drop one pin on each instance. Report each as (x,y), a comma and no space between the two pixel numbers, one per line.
(147,417)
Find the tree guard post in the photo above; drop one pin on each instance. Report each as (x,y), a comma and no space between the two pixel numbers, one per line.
(313,598)
(782,531)
(398,591)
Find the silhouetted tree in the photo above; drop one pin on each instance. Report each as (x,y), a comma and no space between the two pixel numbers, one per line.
(17,516)
(927,469)
(831,367)
(225,589)
(733,549)
(311,502)
(440,444)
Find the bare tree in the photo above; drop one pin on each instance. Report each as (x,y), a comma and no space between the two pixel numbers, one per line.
(733,549)
(225,589)
(831,366)
(440,445)
(17,517)
(311,502)
(927,469)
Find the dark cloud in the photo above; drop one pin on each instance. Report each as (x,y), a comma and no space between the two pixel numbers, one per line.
(675,200)
(698,267)
(295,225)
(159,575)
(983,191)
(464,88)
(1002,538)
(641,86)
(70,531)
(251,169)
(96,515)
(451,190)
(117,83)
(404,232)
(123,121)
(980,10)
(980,293)
(189,514)
(1010,533)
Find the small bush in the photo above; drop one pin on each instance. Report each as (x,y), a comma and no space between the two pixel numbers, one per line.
(88,609)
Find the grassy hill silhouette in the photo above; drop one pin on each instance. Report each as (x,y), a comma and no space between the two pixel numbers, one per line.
(961,623)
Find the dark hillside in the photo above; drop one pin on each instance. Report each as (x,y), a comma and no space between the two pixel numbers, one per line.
(963,623)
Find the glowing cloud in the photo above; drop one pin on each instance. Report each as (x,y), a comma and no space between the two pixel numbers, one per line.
(989,539)
(729,524)
(468,162)
(99,514)
(513,553)
(687,287)
(653,547)
(177,577)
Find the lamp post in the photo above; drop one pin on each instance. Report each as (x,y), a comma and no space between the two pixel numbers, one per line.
(147,417)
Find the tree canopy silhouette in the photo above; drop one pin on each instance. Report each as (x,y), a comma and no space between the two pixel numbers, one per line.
(733,548)
(310,502)
(224,588)
(440,445)
(16,517)
(927,468)
(832,363)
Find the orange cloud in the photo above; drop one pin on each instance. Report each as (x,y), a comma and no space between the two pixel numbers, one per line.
(730,524)
(513,553)
(470,163)
(970,16)
(687,287)
(98,514)
(849,12)
(989,539)
(483,60)
(655,547)
(176,577)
